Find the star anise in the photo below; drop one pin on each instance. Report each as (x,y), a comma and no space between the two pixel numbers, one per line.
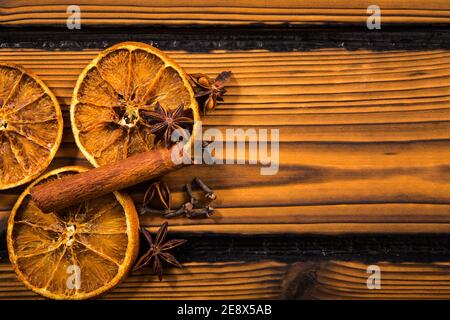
(157,197)
(158,251)
(208,91)
(163,122)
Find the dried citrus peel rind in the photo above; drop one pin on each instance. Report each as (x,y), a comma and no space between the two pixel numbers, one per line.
(113,91)
(78,253)
(31,126)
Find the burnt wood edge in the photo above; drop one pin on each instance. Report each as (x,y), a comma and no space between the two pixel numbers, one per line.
(205,40)
(314,248)
(306,249)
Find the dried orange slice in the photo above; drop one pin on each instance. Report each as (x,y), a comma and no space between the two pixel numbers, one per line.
(114,91)
(78,253)
(31,126)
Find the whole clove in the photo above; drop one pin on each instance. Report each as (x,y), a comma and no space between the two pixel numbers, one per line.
(202,212)
(190,194)
(209,193)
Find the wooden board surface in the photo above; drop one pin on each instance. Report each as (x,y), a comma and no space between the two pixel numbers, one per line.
(270,280)
(223,12)
(364,139)
(364,143)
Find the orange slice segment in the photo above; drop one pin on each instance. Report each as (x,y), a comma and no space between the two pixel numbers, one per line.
(31,126)
(78,253)
(112,93)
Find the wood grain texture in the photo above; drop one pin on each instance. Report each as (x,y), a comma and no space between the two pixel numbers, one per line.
(270,280)
(194,281)
(202,12)
(364,139)
(347,280)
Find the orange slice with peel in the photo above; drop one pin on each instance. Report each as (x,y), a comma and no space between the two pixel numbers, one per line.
(31,126)
(114,91)
(78,253)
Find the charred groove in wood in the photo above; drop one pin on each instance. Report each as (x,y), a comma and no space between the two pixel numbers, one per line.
(313,248)
(367,249)
(394,248)
(207,39)
(391,248)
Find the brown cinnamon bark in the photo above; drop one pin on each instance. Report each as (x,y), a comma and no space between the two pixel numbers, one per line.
(67,191)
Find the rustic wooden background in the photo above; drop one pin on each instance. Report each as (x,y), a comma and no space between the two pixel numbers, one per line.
(365,140)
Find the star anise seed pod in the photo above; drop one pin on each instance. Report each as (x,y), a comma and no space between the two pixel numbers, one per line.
(158,194)
(158,251)
(164,122)
(208,91)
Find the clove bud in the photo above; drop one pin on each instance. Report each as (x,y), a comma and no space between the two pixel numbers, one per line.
(209,193)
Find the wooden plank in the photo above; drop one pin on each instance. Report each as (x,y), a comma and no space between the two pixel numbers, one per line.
(363,139)
(271,280)
(347,280)
(202,12)
(195,281)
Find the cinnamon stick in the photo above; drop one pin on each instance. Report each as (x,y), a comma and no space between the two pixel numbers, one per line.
(67,191)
